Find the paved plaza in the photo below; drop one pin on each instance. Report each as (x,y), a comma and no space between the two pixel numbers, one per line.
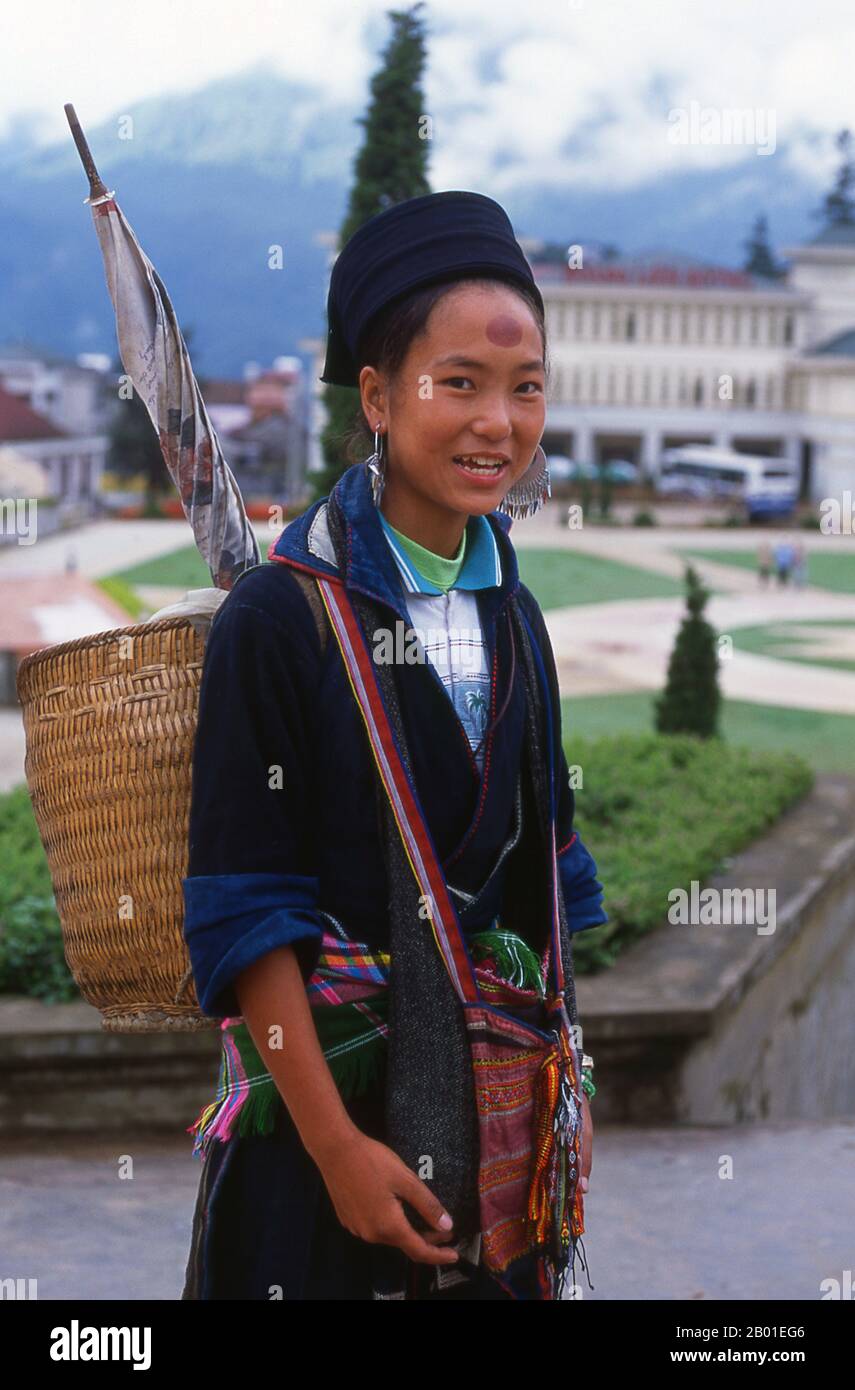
(661,1221)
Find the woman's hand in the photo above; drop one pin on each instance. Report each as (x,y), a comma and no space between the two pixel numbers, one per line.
(367,1182)
(586,1154)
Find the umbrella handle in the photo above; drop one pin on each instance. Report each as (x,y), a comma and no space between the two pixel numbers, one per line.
(97,188)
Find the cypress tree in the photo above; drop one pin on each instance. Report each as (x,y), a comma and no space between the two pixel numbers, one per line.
(690,702)
(838,206)
(390,167)
(759,259)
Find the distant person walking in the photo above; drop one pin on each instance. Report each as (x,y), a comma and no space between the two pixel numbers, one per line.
(784,555)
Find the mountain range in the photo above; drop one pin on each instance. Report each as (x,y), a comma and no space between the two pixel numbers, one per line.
(211,180)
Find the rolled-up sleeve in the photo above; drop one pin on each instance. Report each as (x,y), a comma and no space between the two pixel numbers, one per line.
(252,884)
(583,894)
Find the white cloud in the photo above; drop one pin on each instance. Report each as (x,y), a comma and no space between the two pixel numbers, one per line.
(582,88)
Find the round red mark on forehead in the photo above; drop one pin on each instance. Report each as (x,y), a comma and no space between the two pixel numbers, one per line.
(504,330)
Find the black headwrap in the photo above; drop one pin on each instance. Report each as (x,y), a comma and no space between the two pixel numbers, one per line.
(440,236)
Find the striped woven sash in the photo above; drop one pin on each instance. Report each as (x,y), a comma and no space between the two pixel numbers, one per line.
(348,993)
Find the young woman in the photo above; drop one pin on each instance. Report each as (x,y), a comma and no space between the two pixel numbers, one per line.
(344,1051)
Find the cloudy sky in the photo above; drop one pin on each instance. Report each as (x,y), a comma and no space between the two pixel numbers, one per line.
(555,90)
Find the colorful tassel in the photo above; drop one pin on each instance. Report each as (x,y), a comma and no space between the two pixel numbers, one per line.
(555,1217)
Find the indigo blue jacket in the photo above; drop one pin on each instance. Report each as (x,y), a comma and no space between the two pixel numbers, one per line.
(284,820)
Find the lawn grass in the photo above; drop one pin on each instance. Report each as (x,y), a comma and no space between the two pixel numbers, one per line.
(826,569)
(559,578)
(123,593)
(185,568)
(825,741)
(767,639)
(555,577)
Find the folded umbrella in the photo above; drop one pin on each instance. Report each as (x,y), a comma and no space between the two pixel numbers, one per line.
(155,357)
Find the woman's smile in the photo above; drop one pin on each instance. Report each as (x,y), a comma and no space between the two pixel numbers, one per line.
(483,469)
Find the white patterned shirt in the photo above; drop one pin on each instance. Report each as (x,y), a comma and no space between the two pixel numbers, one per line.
(449,626)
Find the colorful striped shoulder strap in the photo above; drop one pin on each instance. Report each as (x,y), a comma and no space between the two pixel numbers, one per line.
(409,818)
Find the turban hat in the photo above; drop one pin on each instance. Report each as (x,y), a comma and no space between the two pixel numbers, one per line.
(440,236)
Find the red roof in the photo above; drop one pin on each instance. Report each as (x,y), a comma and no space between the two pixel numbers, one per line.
(218,391)
(19,421)
(39,610)
(647,273)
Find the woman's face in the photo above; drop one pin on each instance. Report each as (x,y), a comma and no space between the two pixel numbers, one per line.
(471,387)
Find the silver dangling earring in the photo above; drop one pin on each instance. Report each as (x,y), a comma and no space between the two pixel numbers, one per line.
(377,469)
(529,492)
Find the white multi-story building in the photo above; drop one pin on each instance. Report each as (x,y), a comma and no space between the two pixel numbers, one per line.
(648,354)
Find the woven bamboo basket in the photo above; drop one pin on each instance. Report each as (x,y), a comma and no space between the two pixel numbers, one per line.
(109,722)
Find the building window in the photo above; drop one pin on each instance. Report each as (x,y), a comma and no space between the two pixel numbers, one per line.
(751,393)
(719,324)
(788,329)
(699,391)
(594,383)
(684,325)
(595,327)
(663,389)
(666,325)
(701,321)
(645,388)
(578,321)
(753,326)
(64,476)
(85,476)
(611,388)
(628,389)
(615,325)
(630,327)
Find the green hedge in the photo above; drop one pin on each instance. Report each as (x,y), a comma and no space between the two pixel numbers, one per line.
(31,955)
(658,811)
(655,812)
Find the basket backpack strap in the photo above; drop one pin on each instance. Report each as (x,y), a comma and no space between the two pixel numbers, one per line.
(309,585)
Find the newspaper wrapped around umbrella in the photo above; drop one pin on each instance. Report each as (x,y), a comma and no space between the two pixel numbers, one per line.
(155,357)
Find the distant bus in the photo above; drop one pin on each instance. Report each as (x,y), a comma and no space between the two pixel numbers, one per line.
(766,486)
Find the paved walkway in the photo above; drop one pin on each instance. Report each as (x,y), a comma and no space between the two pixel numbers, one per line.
(604,648)
(104,547)
(607,648)
(661,1223)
